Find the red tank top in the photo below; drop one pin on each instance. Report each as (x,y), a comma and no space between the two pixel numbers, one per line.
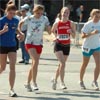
(63,36)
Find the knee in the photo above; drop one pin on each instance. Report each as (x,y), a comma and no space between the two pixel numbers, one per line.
(35,62)
(62,64)
(2,69)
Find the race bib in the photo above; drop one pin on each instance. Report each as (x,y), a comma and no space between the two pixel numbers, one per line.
(86,50)
(63,37)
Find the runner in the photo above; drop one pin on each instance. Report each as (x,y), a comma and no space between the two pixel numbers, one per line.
(8,27)
(62,31)
(34,41)
(91,46)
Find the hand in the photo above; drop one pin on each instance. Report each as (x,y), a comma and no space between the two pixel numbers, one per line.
(21,37)
(5,28)
(94,32)
(69,31)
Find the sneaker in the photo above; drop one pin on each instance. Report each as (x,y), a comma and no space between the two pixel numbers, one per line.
(82,85)
(63,86)
(21,61)
(54,84)
(12,93)
(26,62)
(35,87)
(95,85)
(28,87)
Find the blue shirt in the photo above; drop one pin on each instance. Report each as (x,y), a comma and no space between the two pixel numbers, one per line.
(7,39)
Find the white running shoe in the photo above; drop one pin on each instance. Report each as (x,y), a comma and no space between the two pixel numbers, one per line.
(82,85)
(28,87)
(63,86)
(95,85)
(12,93)
(35,87)
(54,84)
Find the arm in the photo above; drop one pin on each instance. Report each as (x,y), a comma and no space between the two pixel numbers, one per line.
(20,34)
(54,29)
(85,35)
(5,29)
(48,28)
(73,29)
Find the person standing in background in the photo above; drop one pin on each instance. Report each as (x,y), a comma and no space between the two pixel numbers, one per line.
(25,55)
(81,14)
(27,8)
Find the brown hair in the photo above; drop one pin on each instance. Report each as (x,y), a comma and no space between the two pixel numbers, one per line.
(94,12)
(38,7)
(11,7)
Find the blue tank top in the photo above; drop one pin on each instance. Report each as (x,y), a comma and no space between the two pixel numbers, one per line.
(7,39)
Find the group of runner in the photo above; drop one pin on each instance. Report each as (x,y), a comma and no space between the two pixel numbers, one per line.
(62,30)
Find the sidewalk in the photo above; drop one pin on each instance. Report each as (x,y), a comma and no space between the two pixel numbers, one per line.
(47,67)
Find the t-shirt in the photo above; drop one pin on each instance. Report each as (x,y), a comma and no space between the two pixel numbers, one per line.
(35,28)
(7,39)
(93,41)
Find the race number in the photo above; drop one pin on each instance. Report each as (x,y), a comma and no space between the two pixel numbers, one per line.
(63,37)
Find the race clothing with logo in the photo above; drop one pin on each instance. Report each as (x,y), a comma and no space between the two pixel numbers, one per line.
(63,36)
(35,28)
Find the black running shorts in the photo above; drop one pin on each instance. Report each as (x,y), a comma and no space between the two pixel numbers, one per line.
(64,48)
(6,50)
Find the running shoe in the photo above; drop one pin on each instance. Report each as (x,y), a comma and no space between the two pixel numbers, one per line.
(22,61)
(35,87)
(95,85)
(26,62)
(12,93)
(63,86)
(28,87)
(82,85)
(54,84)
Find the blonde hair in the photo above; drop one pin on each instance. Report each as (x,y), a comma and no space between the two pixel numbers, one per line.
(94,12)
(38,7)
(59,14)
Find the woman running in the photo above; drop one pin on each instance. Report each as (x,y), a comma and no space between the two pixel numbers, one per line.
(62,30)
(34,41)
(8,27)
(91,46)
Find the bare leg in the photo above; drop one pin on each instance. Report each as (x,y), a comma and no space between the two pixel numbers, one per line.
(61,68)
(58,69)
(35,61)
(96,56)
(3,61)
(83,67)
(12,74)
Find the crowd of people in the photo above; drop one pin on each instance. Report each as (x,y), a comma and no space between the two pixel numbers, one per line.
(28,29)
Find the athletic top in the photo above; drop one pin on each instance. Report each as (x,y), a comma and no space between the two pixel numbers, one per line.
(35,29)
(7,39)
(63,36)
(93,41)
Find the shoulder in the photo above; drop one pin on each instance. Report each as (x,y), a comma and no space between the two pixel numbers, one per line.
(45,18)
(15,19)
(89,22)
(2,18)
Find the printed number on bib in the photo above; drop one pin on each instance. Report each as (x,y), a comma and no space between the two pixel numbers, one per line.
(63,36)
(86,50)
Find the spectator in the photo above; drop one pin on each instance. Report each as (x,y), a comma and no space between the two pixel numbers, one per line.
(26,7)
(81,14)
(25,55)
